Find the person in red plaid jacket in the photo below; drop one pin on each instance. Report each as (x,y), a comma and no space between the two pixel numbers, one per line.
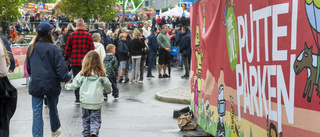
(78,45)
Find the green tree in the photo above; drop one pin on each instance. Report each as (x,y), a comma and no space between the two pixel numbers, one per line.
(89,9)
(9,10)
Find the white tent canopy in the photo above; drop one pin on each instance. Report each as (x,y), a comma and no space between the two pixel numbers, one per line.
(176,11)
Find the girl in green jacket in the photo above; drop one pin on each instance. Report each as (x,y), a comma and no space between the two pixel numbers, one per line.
(91,80)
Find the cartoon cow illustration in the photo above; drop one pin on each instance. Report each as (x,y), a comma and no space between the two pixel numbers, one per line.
(310,61)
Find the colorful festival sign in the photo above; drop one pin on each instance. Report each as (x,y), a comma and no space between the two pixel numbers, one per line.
(19,54)
(256,67)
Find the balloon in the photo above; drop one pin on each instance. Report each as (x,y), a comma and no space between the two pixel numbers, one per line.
(313,13)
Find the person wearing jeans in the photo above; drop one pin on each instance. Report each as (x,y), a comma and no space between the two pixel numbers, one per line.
(47,69)
(152,43)
(37,105)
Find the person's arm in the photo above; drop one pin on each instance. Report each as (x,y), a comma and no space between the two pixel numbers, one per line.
(76,83)
(154,42)
(183,45)
(177,41)
(91,45)
(28,62)
(60,66)
(8,48)
(106,84)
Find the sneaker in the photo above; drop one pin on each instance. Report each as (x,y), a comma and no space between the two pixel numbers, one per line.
(185,76)
(77,102)
(150,76)
(120,80)
(140,81)
(105,97)
(126,81)
(93,134)
(160,76)
(166,76)
(116,97)
(56,134)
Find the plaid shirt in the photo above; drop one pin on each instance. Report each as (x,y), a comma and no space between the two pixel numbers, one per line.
(78,45)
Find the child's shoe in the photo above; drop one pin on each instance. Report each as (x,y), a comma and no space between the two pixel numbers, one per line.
(56,134)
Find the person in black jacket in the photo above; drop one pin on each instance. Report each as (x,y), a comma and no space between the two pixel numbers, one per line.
(154,22)
(183,20)
(185,50)
(163,20)
(47,69)
(135,47)
(123,54)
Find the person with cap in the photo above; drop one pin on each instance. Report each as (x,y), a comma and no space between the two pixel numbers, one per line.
(47,70)
(153,48)
(78,45)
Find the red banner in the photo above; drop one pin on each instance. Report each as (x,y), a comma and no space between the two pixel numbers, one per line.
(256,67)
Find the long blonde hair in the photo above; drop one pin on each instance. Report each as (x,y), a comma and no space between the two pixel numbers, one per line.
(92,62)
(136,34)
(5,53)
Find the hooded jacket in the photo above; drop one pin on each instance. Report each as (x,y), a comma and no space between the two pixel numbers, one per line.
(47,69)
(100,49)
(111,65)
(91,90)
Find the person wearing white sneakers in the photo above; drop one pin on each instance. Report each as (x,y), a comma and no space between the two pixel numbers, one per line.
(47,70)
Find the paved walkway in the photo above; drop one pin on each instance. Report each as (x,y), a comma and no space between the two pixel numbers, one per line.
(180,95)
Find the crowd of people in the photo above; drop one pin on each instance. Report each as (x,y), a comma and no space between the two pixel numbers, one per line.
(98,59)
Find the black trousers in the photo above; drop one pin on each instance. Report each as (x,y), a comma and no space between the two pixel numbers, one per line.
(76,70)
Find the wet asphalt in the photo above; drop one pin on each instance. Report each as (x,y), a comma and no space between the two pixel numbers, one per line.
(135,114)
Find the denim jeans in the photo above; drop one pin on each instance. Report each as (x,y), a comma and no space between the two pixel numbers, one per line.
(152,60)
(179,57)
(91,121)
(37,105)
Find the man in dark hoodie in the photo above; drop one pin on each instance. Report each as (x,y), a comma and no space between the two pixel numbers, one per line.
(185,50)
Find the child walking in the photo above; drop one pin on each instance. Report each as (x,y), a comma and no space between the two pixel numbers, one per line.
(124,56)
(111,65)
(91,80)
